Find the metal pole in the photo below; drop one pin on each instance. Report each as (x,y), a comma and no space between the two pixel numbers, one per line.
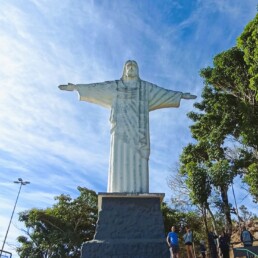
(21,182)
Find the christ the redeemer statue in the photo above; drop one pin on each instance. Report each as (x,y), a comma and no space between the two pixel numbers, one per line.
(130,100)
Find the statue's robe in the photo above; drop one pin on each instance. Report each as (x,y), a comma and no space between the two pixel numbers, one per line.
(130,141)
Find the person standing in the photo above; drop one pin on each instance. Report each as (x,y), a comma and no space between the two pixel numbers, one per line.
(188,240)
(213,244)
(203,249)
(224,244)
(173,243)
(246,237)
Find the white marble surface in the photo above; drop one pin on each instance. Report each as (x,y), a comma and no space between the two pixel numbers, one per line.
(130,100)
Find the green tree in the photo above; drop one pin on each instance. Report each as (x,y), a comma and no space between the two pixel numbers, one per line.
(248,42)
(226,124)
(59,231)
(246,214)
(229,109)
(203,172)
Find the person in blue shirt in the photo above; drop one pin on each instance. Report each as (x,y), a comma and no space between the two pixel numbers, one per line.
(173,243)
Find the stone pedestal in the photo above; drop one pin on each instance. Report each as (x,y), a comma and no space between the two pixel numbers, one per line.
(129,226)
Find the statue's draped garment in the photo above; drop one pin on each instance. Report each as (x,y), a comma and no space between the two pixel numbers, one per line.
(130,142)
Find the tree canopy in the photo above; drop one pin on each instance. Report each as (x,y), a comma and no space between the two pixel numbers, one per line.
(59,231)
(225,124)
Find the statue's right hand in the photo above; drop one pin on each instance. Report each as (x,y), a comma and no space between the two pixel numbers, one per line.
(69,87)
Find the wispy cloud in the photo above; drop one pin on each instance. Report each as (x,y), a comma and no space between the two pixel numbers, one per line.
(50,138)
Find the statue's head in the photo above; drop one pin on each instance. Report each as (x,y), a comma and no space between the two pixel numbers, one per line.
(130,71)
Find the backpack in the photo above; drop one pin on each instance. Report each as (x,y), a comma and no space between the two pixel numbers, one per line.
(246,236)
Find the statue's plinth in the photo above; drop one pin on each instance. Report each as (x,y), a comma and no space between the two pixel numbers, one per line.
(129,226)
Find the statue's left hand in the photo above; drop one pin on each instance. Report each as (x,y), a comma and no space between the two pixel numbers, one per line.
(188,96)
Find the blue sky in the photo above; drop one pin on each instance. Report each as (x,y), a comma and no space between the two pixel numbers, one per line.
(56,142)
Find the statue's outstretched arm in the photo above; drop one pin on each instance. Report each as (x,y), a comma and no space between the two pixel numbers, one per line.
(68,87)
(188,96)
(99,93)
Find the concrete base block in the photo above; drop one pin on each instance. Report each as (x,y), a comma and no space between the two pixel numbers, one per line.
(129,226)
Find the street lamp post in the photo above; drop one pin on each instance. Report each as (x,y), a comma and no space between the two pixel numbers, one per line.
(21,182)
